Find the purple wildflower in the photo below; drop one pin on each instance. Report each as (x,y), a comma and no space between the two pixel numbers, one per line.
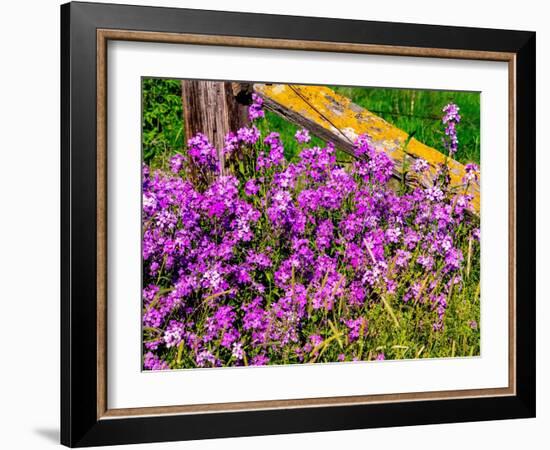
(248,135)
(176,163)
(202,152)
(237,351)
(302,136)
(420,166)
(153,362)
(255,110)
(450,120)
(472,171)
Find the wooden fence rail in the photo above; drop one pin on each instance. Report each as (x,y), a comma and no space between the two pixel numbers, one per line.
(335,118)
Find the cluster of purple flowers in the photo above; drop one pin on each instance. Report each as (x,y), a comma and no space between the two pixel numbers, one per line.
(450,120)
(255,110)
(275,265)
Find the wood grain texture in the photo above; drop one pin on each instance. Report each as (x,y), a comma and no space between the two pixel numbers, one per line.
(512,222)
(101,223)
(292,44)
(211,108)
(307,402)
(335,118)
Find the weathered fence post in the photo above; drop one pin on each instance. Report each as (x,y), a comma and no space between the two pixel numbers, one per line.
(211,108)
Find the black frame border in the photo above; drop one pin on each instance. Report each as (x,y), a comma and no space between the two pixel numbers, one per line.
(79,424)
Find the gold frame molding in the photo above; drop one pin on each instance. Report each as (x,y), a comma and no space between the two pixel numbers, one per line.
(105,35)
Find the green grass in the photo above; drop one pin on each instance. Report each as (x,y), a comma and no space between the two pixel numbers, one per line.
(414,111)
(419,111)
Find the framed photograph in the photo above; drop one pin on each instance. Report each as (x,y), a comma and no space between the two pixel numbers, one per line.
(277,224)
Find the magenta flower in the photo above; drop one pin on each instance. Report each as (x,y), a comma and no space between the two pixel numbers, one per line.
(255,110)
(302,136)
(420,166)
(248,135)
(472,173)
(202,152)
(152,362)
(451,119)
(176,163)
(237,351)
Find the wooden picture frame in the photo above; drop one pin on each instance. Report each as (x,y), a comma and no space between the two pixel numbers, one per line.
(86,419)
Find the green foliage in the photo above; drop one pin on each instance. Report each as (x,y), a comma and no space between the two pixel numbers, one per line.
(162,121)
